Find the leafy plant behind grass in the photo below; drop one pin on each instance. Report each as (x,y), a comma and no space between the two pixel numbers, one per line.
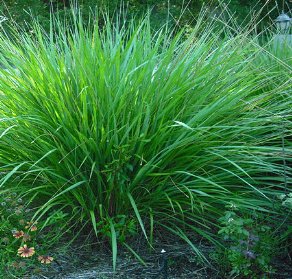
(122,121)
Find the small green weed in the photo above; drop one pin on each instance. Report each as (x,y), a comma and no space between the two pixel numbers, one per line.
(124,227)
(286,200)
(249,245)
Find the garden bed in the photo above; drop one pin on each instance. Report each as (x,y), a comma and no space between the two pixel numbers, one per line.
(95,261)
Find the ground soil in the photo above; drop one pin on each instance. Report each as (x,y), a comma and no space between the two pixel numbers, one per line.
(94,261)
(181,263)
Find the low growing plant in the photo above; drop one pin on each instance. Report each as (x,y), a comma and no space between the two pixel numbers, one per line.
(22,245)
(249,244)
(122,224)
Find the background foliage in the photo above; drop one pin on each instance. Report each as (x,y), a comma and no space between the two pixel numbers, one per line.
(179,12)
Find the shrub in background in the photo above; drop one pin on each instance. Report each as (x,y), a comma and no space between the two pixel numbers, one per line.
(176,12)
(22,12)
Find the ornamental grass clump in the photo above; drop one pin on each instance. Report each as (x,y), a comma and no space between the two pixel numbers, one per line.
(117,120)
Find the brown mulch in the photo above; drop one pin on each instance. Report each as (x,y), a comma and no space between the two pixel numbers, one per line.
(94,261)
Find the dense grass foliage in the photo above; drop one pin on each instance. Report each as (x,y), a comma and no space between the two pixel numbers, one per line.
(162,130)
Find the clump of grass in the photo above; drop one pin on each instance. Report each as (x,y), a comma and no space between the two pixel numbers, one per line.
(160,129)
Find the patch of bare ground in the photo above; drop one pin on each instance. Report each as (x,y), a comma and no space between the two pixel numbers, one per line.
(94,261)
